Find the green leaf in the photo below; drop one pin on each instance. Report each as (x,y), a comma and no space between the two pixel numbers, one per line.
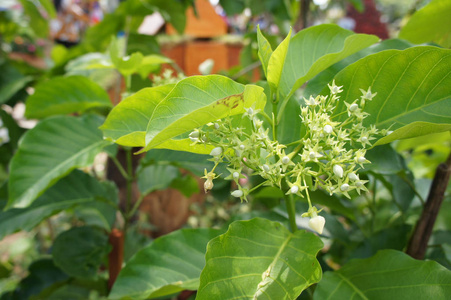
(151,63)
(276,62)
(430,24)
(156,177)
(79,251)
(259,259)
(11,81)
(48,152)
(317,84)
(389,274)
(193,162)
(37,23)
(196,101)
(314,49)
(264,50)
(76,188)
(65,95)
(412,86)
(169,265)
(414,129)
(127,122)
(187,185)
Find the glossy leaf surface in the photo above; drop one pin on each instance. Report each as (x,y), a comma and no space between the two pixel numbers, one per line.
(276,63)
(430,24)
(314,49)
(264,50)
(259,259)
(170,264)
(413,90)
(127,122)
(48,152)
(196,101)
(387,275)
(65,95)
(76,188)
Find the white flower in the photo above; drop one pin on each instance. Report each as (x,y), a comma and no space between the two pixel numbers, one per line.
(317,224)
(286,160)
(353,107)
(344,187)
(361,159)
(328,129)
(237,193)
(338,171)
(353,176)
(216,151)
(294,189)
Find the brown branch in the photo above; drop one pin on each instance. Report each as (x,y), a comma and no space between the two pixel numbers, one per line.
(116,256)
(419,240)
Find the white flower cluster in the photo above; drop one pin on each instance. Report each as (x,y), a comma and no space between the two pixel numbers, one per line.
(328,156)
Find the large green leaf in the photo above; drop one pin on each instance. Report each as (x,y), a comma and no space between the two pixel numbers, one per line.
(192,162)
(127,123)
(79,251)
(430,24)
(387,275)
(314,49)
(65,95)
(259,259)
(316,85)
(170,264)
(48,152)
(264,50)
(11,81)
(156,177)
(76,188)
(196,101)
(276,63)
(413,90)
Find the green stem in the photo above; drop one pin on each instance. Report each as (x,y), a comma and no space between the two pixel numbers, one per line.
(119,167)
(291,210)
(129,179)
(135,207)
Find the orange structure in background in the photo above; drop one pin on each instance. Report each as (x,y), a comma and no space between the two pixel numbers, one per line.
(202,29)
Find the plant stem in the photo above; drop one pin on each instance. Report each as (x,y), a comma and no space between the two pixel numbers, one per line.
(419,240)
(291,210)
(129,179)
(119,167)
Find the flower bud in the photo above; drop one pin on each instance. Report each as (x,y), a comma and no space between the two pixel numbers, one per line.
(286,160)
(353,176)
(344,187)
(194,134)
(361,160)
(294,189)
(216,126)
(216,151)
(242,147)
(358,184)
(317,224)
(208,185)
(338,171)
(237,193)
(236,175)
(353,107)
(266,168)
(328,129)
